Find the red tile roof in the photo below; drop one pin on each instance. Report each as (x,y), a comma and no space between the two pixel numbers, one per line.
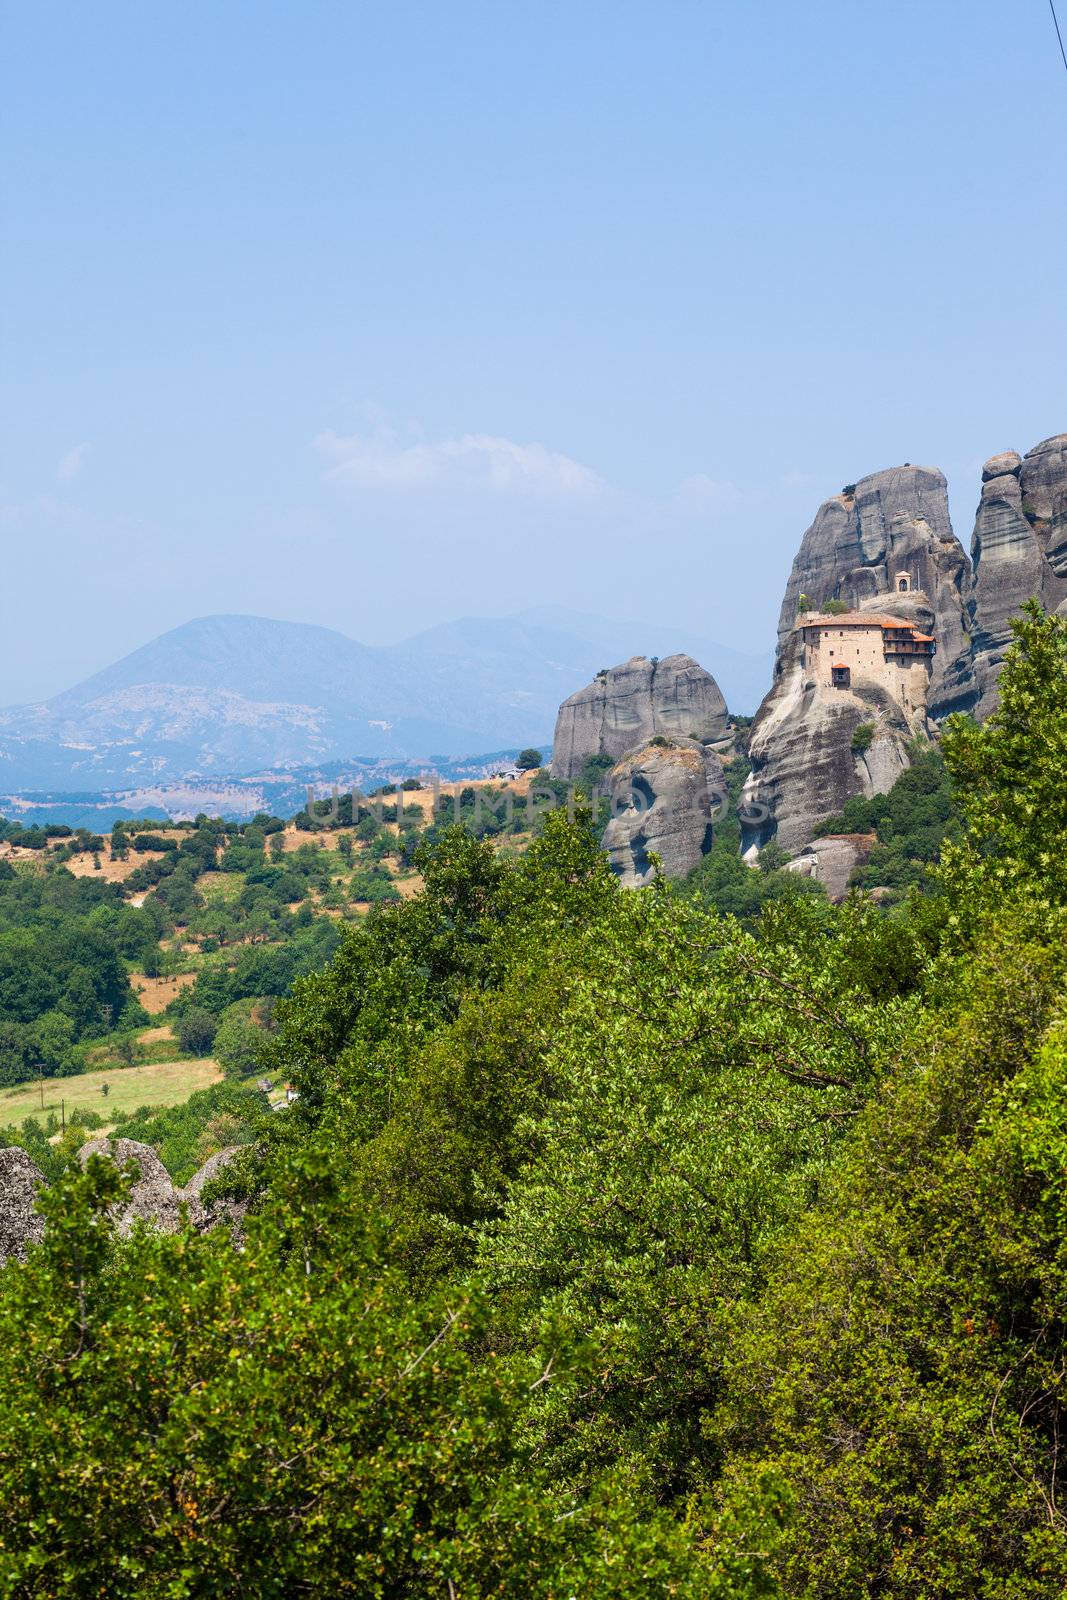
(860,619)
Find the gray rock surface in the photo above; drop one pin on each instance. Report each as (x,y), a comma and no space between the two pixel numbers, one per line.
(892,527)
(221,1210)
(153,1198)
(665,795)
(1018,549)
(20,1225)
(894,523)
(889,529)
(832,860)
(803,764)
(208,1172)
(1008,461)
(629,704)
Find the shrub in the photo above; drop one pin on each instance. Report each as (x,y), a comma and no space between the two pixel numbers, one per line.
(196,1030)
(862,738)
(152,841)
(238,1044)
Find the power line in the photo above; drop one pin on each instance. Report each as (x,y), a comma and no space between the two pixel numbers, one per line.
(1059,35)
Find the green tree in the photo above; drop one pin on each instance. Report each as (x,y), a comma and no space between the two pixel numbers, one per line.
(54,1043)
(238,1045)
(527,760)
(902,1371)
(196,1030)
(190,1402)
(705,1078)
(1010,774)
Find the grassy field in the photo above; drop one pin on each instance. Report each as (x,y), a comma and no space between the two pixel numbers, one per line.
(165,1083)
(215,886)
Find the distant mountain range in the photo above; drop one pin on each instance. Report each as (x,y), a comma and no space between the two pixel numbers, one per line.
(235,695)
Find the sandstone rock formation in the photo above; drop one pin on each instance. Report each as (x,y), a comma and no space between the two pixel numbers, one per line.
(804,766)
(665,795)
(20,1225)
(884,546)
(889,529)
(832,860)
(1019,551)
(153,1197)
(208,1172)
(629,704)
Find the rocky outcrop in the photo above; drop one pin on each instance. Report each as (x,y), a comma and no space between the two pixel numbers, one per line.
(628,705)
(889,528)
(211,1169)
(1019,551)
(832,860)
(20,1224)
(805,763)
(153,1198)
(885,545)
(664,797)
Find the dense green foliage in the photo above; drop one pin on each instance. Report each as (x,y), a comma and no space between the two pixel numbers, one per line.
(912,823)
(614,1246)
(63,941)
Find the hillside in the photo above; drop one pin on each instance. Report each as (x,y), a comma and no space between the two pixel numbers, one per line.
(224,696)
(592,1234)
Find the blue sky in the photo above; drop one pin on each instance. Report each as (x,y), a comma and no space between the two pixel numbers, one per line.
(375,316)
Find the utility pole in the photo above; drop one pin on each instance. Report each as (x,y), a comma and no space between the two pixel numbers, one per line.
(40,1081)
(62,1116)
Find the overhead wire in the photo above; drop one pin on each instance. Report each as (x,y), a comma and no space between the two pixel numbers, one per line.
(1059,35)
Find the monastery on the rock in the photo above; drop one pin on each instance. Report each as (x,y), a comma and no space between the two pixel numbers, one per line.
(841,652)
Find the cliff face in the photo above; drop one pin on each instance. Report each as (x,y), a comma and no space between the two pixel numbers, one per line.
(886,545)
(632,703)
(1019,551)
(804,766)
(664,798)
(892,526)
(20,1223)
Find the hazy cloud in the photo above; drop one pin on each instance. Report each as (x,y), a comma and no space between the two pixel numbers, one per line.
(702,496)
(71,464)
(382,460)
(800,480)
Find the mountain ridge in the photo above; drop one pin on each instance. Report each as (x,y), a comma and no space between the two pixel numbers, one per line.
(234,693)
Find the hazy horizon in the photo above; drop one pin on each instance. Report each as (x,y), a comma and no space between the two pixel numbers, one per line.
(645,634)
(378,319)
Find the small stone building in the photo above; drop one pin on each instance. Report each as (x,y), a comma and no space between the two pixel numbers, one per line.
(842,652)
